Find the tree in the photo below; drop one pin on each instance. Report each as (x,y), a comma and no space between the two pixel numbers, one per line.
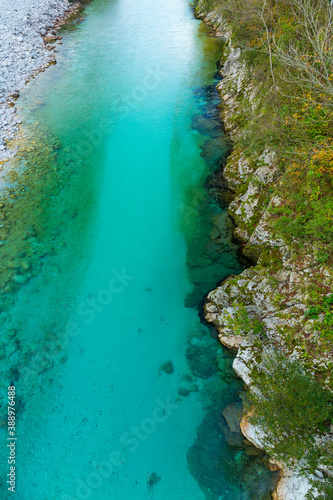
(291,406)
(306,50)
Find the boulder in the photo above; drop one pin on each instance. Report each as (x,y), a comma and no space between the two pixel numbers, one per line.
(233,416)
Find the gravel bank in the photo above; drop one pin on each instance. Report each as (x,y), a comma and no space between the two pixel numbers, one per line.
(23,52)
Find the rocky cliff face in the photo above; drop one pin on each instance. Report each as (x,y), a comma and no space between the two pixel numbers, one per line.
(274,291)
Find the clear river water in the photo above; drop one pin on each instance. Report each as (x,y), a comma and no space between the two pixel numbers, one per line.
(109,242)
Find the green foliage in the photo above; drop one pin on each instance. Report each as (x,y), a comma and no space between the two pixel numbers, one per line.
(322,313)
(243,324)
(293,115)
(321,455)
(312,313)
(306,214)
(325,489)
(291,408)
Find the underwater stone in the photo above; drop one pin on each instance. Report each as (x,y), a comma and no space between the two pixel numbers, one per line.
(233,415)
(182,391)
(201,360)
(20,279)
(167,367)
(153,480)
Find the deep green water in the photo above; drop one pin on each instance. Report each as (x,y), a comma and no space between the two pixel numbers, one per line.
(110,242)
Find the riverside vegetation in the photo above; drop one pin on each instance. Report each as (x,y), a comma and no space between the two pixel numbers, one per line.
(277,107)
(62,237)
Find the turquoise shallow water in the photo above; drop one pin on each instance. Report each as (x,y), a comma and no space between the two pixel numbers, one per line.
(115,241)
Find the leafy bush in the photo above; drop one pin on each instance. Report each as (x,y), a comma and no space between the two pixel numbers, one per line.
(242,324)
(322,313)
(291,407)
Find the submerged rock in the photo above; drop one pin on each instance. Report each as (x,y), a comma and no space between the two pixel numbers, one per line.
(167,367)
(153,480)
(232,474)
(202,360)
(20,279)
(182,391)
(233,415)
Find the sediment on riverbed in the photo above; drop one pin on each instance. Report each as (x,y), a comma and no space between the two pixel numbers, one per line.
(26,153)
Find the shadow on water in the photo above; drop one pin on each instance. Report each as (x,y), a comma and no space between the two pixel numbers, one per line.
(223,465)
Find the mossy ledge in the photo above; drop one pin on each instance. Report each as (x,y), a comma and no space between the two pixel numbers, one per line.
(278,305)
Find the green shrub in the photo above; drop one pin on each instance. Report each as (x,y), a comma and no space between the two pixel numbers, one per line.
(243,324)
(292,406)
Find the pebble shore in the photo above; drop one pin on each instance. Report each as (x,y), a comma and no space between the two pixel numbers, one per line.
(25,28)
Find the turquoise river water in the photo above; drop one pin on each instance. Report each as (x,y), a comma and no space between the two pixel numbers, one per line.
(109,242)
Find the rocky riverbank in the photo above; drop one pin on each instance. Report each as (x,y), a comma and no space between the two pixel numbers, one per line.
(28,42)
(274,291)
